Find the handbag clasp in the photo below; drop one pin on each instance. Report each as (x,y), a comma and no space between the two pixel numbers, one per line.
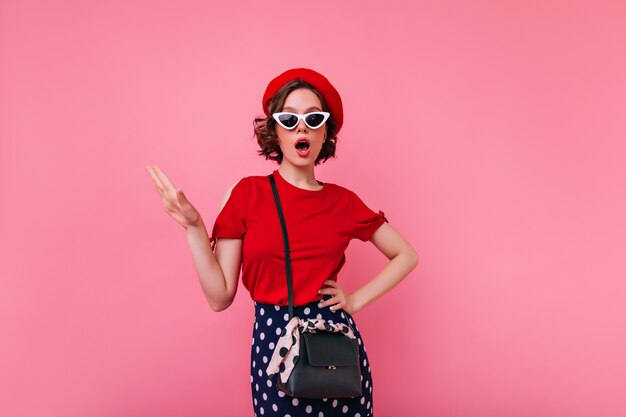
(332,367)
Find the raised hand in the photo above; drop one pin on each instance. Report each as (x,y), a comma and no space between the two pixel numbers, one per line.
(174,201)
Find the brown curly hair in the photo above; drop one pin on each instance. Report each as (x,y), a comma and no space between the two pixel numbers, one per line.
(265,127)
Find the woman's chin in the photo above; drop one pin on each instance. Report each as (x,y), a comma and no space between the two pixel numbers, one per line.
(300,160)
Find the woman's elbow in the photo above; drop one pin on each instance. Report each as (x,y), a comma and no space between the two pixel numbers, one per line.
(413,257)
(221,305)
(218,308)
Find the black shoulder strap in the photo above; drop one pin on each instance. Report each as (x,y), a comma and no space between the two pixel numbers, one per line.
(287,253)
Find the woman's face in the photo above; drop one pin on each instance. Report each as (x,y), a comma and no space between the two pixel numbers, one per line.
(301,101)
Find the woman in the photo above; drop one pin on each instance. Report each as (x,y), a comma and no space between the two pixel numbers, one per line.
(304,114)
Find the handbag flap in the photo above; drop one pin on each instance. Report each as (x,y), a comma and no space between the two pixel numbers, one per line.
(330,348)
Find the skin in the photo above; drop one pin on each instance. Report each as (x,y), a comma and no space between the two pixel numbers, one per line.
(297,170)
(219,271)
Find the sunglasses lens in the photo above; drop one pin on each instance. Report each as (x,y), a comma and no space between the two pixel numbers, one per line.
(315,119)
(288,120)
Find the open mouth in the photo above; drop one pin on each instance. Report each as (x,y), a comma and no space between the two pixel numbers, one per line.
(302,145)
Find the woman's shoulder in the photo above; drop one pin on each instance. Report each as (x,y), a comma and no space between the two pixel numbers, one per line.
(253,180)
(249,183)
(249,179)
(340,189)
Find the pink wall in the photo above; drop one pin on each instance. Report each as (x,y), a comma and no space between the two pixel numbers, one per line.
(490,133)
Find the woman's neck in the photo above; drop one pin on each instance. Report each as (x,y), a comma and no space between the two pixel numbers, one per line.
(301,177)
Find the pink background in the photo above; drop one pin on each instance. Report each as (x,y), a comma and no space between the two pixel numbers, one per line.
(490,133)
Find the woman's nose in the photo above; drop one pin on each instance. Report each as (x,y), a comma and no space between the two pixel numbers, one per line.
(301,126)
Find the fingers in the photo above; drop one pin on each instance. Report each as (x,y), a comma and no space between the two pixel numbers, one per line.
(164,187)
(174,201)
(332,301)
(337,301)
(332,287)
(166,182)
(181,197)
(163,184)
(155,179)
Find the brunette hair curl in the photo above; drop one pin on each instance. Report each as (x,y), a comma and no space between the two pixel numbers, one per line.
(265,127)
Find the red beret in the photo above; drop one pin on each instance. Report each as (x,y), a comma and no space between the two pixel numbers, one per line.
(317,80)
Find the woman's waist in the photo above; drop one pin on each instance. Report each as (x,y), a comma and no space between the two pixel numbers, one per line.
(278,297)
(264,305)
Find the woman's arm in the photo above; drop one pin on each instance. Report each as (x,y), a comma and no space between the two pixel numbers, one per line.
(219,271)
(403,259)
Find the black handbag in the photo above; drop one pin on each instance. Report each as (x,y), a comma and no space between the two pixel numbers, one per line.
(328,362)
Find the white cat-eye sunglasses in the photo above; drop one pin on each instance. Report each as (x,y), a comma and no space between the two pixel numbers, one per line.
(313,120)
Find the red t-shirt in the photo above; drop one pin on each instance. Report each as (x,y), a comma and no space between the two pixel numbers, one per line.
(320,225)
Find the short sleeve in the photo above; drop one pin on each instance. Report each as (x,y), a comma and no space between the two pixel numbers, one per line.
(362,220)
(231,221)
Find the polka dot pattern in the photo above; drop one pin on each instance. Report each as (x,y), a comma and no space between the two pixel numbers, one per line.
(268,400)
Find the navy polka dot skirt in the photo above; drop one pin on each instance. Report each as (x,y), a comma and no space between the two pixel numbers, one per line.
(267,400)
